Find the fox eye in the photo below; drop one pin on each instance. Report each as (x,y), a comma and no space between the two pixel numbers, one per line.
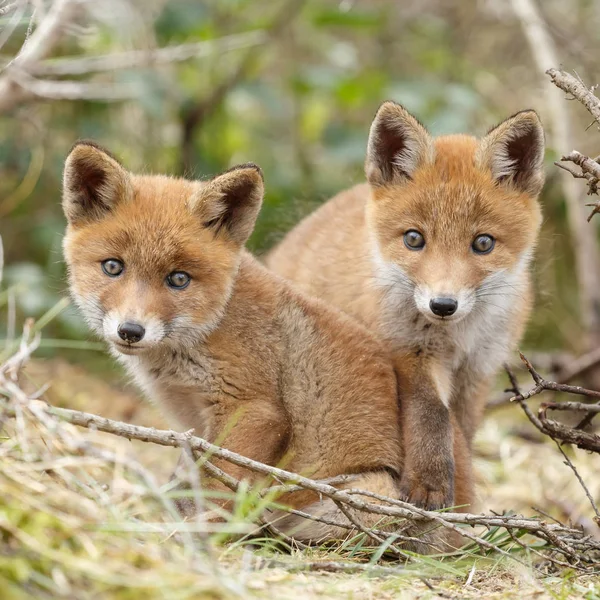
(112,267)
(178,280)
(483,244)
(414,240)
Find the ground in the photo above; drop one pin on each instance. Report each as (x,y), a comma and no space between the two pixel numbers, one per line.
(516,470)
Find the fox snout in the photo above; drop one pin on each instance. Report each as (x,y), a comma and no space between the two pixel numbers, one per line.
(131,332)
(443,306)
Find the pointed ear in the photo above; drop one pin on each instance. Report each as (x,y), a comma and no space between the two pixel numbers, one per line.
(93,182)
(514,152)
(398,145)
(229,203)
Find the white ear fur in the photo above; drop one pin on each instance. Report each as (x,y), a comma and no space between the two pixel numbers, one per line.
(514,152)
(398,145)
(93,183)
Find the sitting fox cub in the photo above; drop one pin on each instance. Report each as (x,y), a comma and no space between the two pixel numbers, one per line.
(158,268)
(432,255)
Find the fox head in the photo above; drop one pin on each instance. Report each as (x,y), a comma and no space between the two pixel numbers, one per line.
(152,259)
(453,220)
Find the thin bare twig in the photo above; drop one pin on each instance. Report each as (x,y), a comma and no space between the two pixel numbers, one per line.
(570,464)
(397,509)
(146,58)
(554,429)
(578,90)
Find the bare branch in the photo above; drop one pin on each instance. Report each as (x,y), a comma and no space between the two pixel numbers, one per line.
(564,537)
(73,90)
(147,58)
(39,45)
(554,429)
(578,90)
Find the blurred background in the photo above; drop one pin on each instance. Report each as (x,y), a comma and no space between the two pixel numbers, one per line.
(193,87)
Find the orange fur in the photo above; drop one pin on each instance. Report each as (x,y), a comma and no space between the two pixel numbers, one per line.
(351,252)
(238,355)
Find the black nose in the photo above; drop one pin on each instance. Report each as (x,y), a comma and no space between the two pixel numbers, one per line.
(131,332)
(443,307)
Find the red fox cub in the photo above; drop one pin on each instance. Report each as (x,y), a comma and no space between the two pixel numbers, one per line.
(433,256)
(223,345)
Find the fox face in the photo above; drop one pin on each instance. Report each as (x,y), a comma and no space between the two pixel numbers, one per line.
(151,259)
(454,220)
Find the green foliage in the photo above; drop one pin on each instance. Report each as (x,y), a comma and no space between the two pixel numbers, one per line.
(301,109)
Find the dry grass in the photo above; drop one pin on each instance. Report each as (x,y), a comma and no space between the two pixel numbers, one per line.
(83,515)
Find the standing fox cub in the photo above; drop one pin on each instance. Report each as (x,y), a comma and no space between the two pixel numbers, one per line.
(432,255)
(158,268)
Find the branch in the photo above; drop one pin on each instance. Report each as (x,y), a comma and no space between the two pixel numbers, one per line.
(542,384)
(590,170)
(39,45)
(554,429)
(72,90)
(564,537)
(578,90)
(147,58)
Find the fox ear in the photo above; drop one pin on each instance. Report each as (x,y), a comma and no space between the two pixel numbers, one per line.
(398,145)
(229,203)
(93,182)
(514,152)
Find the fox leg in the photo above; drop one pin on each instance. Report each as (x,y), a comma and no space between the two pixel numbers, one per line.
(427,434)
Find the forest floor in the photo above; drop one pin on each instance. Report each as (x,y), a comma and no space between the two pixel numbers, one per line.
(75,525)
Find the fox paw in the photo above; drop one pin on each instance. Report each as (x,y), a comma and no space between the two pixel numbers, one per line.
(426,496)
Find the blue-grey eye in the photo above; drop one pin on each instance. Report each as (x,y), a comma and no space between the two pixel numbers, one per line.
(112,267)
(483,244)
(414,240)
(178,280)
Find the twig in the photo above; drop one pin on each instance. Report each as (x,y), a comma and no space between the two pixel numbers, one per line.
(590,170)
(39,45)
(542,384)
(557,431)
(577,89)
(570,464)
(147,58)
(171,438)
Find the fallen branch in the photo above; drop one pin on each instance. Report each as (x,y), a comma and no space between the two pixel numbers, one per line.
(566,540)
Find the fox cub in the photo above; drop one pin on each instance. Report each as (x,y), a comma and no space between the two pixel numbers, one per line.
(224,346)
(432,255)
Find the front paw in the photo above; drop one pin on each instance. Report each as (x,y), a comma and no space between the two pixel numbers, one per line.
(430,493)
